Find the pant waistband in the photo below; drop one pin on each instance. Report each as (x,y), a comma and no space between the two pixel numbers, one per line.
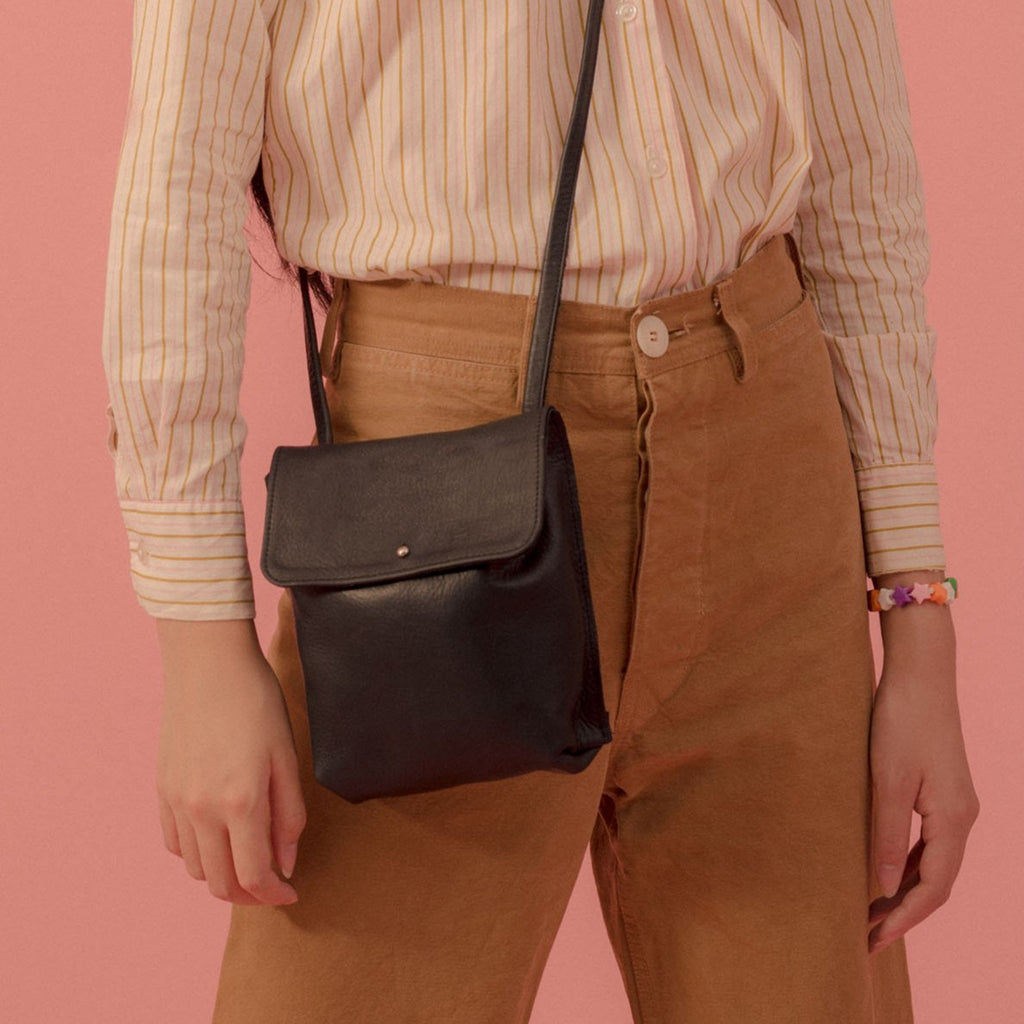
(495,327)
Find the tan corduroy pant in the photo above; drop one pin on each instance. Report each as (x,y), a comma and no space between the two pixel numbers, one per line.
(729,820)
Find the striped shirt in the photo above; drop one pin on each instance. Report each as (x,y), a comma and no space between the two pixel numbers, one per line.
(414,138)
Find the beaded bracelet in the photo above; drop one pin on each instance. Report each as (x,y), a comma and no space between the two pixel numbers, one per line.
(883,598)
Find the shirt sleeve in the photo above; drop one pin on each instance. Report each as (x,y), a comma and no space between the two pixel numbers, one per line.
(861,231)
(177,295)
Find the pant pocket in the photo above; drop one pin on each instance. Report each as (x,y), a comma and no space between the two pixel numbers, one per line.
(381,392)
(785,518)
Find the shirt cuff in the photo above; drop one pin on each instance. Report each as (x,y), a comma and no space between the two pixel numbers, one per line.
(189,560)
(899,505)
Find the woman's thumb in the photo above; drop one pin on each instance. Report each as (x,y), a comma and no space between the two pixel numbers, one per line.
(287,810)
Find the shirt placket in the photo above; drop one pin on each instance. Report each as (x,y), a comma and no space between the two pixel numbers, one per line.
(658,147)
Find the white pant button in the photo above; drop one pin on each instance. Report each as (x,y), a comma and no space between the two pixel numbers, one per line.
(652,335)
(626,11)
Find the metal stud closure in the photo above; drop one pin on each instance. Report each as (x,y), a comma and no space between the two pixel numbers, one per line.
(402,551)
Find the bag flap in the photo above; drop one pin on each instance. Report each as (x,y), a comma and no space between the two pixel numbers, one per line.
(339,514)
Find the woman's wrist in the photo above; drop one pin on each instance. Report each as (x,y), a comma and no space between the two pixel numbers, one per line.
(915,633)
(199,641)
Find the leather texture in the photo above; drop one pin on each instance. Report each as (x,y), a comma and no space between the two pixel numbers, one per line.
(452,498)
(475,656)
(442,603)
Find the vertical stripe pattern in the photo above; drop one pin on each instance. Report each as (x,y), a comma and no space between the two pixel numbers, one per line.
(415,138)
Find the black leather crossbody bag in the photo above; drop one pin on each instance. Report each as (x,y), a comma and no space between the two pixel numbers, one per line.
(442,605)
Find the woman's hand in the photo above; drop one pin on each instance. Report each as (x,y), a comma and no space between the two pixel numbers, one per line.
(918,762)
(227,773)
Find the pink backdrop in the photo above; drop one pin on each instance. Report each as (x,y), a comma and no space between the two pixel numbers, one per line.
(99,921)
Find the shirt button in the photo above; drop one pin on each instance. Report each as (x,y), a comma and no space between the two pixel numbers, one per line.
(652,335)
(656,166)
(626,11)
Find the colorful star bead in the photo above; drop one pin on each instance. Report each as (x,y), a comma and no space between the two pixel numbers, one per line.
(883,598)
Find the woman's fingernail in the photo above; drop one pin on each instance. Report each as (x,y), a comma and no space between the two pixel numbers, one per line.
(288,866)
(889,877)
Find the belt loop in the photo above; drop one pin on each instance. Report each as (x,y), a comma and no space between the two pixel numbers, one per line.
(744,354)
(330,349)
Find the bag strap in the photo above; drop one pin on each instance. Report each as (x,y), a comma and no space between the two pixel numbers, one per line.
(553,268)
(549,294)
